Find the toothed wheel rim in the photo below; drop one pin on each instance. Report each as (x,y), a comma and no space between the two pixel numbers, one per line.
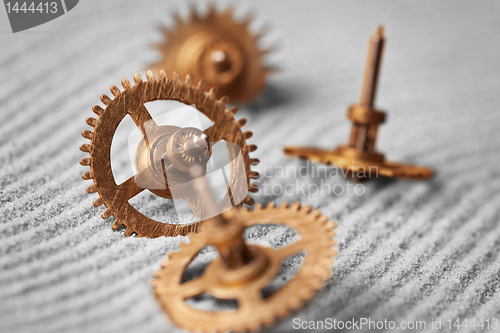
(131,102)
(254,311)
(188,49)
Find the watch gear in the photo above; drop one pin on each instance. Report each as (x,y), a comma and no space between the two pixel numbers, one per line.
(150,157)
(358,158)
(232,276)
(218,49)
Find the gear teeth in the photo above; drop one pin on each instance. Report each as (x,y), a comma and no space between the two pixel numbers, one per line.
(252,187)
(91,121)
(87,134)
(254,175)
(85,161)
(295,206)
(252,148)
(224,100)
(98,202)
(324,272)
(114,90)
(86,148)
(270,205)
(201,84)
(179,21)
(126,84)
(92,189)
(331,225)
(106,100)
(254,161)
(306,209)
(316,213)
(193,13)
(177,76)
(261,33)
(229,11)
(128,232)
(212,92)
(97,110)
(323,219)
(247,135)
(270,70)
(189,79)
(268,320)
(331,253)
(242,122)
(88,175)
(233,110)
(137,78)
(267,51)
(163,74)
(167,32)
(284,205)
(107,213)
(248,18)
(150,76)
(211,10)
(258,206)
(249,201)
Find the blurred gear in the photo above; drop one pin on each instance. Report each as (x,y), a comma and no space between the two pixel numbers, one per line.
(359,157)
(218,49)
(162,148)
(242,270)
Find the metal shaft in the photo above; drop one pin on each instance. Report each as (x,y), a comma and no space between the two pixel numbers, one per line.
(228,240)
(363,137)
(372,68)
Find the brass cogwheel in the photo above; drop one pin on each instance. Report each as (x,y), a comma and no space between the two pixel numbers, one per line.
(218,49)
(131,102)
(246,283)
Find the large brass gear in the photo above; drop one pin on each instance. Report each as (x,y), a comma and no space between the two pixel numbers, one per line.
(131,102)
(218,49)
(254,310)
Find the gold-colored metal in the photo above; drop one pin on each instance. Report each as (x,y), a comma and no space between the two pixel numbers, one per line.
(242,270)
(358,158)
(218,49)
(176,142)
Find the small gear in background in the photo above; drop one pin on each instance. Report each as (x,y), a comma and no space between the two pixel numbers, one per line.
(231,276)
(217,48)
(154,145)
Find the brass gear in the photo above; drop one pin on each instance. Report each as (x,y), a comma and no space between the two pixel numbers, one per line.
(218,49)
(254,311)
(131,102)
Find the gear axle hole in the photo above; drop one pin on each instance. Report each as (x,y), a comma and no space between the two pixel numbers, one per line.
(288,269)
(197,266)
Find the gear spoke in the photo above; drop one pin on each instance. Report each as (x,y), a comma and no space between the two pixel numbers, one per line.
(291,249)
(128,189)
(132,103)
(143,120)
(214,134)
(250,299)
(192,288)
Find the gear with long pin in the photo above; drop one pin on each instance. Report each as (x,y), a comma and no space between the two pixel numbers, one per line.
(358,158)
(242,271)
(164,149)
(218,49)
